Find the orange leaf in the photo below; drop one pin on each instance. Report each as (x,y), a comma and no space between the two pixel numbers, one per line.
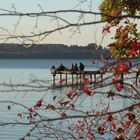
(113,125)
(50,106)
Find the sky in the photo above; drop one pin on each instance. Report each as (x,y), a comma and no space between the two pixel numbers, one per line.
(71,36)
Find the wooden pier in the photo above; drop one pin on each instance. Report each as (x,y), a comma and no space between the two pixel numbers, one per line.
(75,77)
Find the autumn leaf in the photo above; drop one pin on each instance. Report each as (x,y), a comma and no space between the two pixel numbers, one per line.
(50,106)
(113,125)
(110,94)
(30,110)
(120,130)
(71,95)
(30,117)
(85,80)
(86,91)
(134,44)
(131,116)
(106,29)
(138,133)
(20,115)
(38,104)
(101,130)
(63,115)
(110,118)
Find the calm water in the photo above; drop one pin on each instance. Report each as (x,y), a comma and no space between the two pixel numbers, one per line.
(21,70)
(25,71)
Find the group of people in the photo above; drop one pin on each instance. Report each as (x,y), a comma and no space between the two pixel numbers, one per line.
(74,67)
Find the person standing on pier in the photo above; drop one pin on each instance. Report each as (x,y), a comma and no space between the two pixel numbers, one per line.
(75,67)
(81,67)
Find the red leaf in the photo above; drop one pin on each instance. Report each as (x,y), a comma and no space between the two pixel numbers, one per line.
(101,130)
(71,95)
(20,115)
(30,117)
(131,116)
(123,124)
(86,91)
(85,80)
(106,29)
(138,133)
(30,110)
(134,44)
(63,115)
(120,130)
(110,118)
(38,104)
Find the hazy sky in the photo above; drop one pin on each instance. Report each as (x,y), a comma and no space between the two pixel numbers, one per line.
(84,36)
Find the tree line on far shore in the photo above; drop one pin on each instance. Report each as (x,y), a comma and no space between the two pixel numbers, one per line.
(51,51)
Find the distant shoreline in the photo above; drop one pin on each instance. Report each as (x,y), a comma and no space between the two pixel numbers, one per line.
(50,51)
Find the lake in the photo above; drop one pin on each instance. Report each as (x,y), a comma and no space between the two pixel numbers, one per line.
(32,72)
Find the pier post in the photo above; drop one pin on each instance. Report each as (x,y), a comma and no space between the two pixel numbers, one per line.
(72,79)
(80,80)
(66,79)
(94,78)
(53,80)
(91,78)
(60,79)
(77,79)
(101,78)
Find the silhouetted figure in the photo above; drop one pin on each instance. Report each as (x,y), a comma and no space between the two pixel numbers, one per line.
(53,68)
(76,67)
(61,67)
(72,66)
(81,67)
